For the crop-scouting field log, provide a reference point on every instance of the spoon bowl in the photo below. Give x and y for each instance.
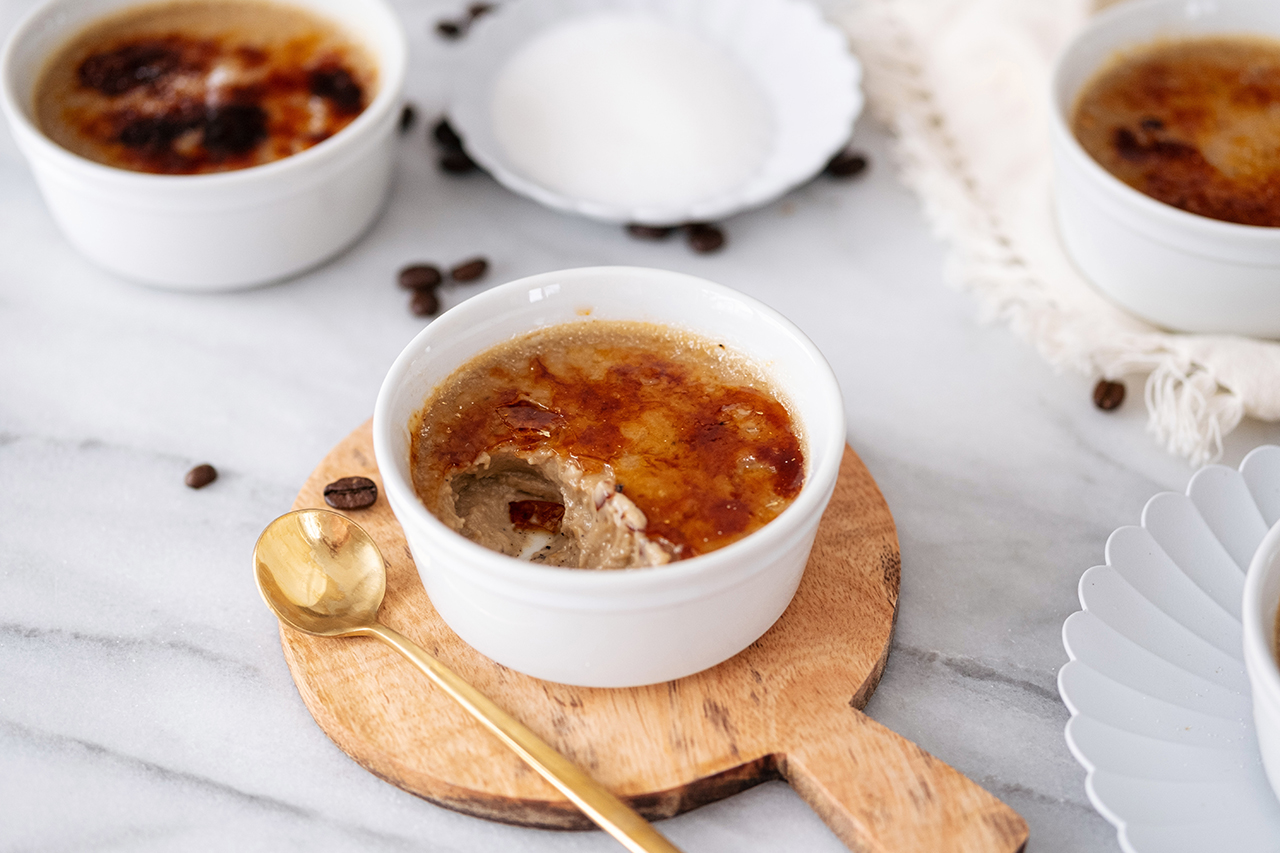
(320, 572)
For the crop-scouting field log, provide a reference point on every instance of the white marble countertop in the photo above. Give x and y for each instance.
(144, 702)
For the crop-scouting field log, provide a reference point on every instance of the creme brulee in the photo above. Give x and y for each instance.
(1193, 122)
(1277, 636)
(603, 444)
(205, 86)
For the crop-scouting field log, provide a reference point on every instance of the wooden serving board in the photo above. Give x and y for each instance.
(787, 707)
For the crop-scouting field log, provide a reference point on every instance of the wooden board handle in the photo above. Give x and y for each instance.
(880, 793)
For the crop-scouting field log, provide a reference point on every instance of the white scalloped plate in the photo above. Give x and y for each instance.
(1160, 709)
(800, 62)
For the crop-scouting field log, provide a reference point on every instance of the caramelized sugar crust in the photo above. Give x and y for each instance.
(692, 432)
(1194, 123)
(194, 87)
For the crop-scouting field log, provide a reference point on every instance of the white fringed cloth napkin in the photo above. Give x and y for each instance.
(964, 84)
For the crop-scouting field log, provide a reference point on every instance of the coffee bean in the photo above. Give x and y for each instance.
(457, 163)
(476, 10)
(201, 476)
(139, 64)
(420, 277)
(449, 29)
(1108, 395)
(469, 270)
(424, 303)
(846, 164)
(445, 136)
(651, 232)
(156, 133)
(408, 118)
(704, 237)
(535, 515)
(335, 84)
(234, 129)
(351, 493)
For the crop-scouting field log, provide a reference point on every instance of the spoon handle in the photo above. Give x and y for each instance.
(609, 813)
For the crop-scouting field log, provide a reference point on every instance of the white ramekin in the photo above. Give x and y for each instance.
(1173, 268)
(623, 627)
(1261, 600)
(224, 230)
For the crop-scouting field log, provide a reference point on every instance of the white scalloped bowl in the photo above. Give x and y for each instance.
(800, 64)
(1157, 687)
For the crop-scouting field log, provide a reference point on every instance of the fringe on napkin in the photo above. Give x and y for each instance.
(988, 195)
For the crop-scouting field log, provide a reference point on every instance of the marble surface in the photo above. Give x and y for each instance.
(144, 702)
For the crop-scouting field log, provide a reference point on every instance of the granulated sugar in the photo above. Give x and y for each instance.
(625, 110)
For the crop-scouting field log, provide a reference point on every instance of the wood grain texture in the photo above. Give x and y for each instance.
(788, 706)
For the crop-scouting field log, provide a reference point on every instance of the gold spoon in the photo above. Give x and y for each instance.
(321, 573)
